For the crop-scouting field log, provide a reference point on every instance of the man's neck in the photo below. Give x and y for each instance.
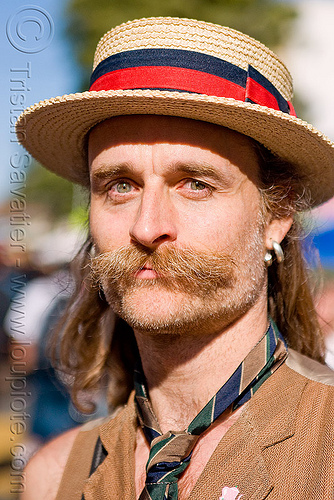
(184, 373)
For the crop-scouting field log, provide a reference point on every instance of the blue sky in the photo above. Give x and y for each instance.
(25, 29)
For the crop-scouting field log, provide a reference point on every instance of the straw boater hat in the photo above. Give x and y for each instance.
(185, 68)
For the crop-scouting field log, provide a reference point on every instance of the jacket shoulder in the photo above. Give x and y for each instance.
(310, 368)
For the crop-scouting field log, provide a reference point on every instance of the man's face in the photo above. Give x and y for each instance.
(178, 191)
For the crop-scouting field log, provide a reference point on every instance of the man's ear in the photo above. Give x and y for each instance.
(276, 231)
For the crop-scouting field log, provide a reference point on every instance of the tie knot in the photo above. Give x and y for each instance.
(171, 447)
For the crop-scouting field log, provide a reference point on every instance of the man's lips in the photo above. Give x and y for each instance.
(147, 272)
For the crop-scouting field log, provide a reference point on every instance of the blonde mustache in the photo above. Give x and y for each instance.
(176, 268)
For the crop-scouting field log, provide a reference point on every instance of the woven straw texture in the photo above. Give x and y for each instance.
(55, 131)
(199, 36)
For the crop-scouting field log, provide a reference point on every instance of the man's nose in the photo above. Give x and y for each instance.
(155, 222)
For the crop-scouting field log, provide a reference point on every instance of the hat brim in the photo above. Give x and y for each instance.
(54, 131)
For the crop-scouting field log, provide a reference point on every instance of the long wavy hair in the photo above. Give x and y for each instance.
(95, 347)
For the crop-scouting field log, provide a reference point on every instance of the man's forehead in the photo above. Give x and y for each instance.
(156, 129)
(133, 128)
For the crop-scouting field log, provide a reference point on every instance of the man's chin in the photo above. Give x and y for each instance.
(152, 309)
(162, 326)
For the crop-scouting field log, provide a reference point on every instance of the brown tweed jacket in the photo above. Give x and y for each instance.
(281, 447)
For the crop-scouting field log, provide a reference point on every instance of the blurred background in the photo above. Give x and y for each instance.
(47, 50)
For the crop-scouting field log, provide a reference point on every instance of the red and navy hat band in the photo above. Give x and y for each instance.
(186, 71)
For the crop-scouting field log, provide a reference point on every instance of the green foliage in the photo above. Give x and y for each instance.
(56, 195)
(266, 20)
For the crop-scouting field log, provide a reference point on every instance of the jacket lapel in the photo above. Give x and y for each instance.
(236, 462)
(114, 478)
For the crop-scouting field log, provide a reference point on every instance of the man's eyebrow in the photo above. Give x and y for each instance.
(202, 170)
(108, 171)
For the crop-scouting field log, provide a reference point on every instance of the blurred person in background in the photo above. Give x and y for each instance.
(49, 405)
(325, 309)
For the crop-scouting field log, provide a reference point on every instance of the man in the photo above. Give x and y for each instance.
(192, 295)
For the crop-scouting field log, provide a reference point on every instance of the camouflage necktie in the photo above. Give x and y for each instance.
(170, 453)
